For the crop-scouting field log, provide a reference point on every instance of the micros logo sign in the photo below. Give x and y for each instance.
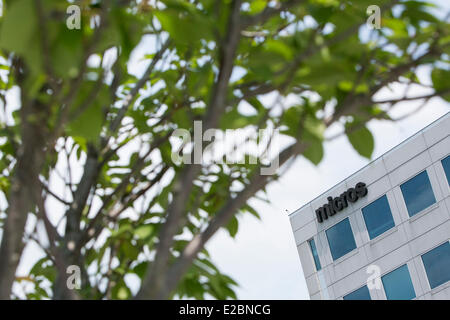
(339, 203)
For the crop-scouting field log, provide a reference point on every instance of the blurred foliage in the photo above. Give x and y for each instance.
(319, 54)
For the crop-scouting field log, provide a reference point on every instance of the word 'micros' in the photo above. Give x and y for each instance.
(339, 203)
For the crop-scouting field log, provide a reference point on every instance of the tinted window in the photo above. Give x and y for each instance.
(446, 165)
(340, 238)
(360, 294)
(437, 265)
(397, 284)
(378, 217)
(312, 245)
(418, 193)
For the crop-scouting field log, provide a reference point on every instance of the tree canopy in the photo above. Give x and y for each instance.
(86, 128)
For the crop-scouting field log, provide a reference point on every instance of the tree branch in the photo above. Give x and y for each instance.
(153, 284)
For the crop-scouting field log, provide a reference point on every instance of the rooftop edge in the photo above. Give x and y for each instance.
(370, 162)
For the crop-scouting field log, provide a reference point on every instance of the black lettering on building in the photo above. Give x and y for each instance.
(337, 204)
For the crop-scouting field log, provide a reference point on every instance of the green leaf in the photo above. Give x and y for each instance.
(19, 33)
(235, 120)
(88, 115)
(184, 26)
(280, 48)
(313, 128)
(140, 269)
(251, 210)
(43, 268)
(144, 231)
(256, 6)
(66, 52)
(18, 26)
(121, 291)
(361, 139)
(440, 79)
(314, 152)
(130, 251)
(233, 226)
(88, 125)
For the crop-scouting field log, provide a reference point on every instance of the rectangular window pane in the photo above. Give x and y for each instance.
(437, 265)
(398, 285)
(378, 217)
(312, 245)
(340, 238)
(360, 294)
(418, 193)
(446, 165)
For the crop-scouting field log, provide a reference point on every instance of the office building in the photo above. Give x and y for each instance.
(383, 233)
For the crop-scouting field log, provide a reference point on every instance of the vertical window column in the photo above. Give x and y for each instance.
(312, 246)
(446, 165)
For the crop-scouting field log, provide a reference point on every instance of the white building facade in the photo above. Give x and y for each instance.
(383, 233)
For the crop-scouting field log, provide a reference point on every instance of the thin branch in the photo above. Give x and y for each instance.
(152, 286)
(428, 96)
(269, 12)
(47, 189)
(141, 82)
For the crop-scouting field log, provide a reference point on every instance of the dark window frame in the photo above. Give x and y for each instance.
(410, 215)
(353, 237)
(351, 292)
(317, 263)
(446, 173)
(426, 272)
(364, 218)
(395, 269)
